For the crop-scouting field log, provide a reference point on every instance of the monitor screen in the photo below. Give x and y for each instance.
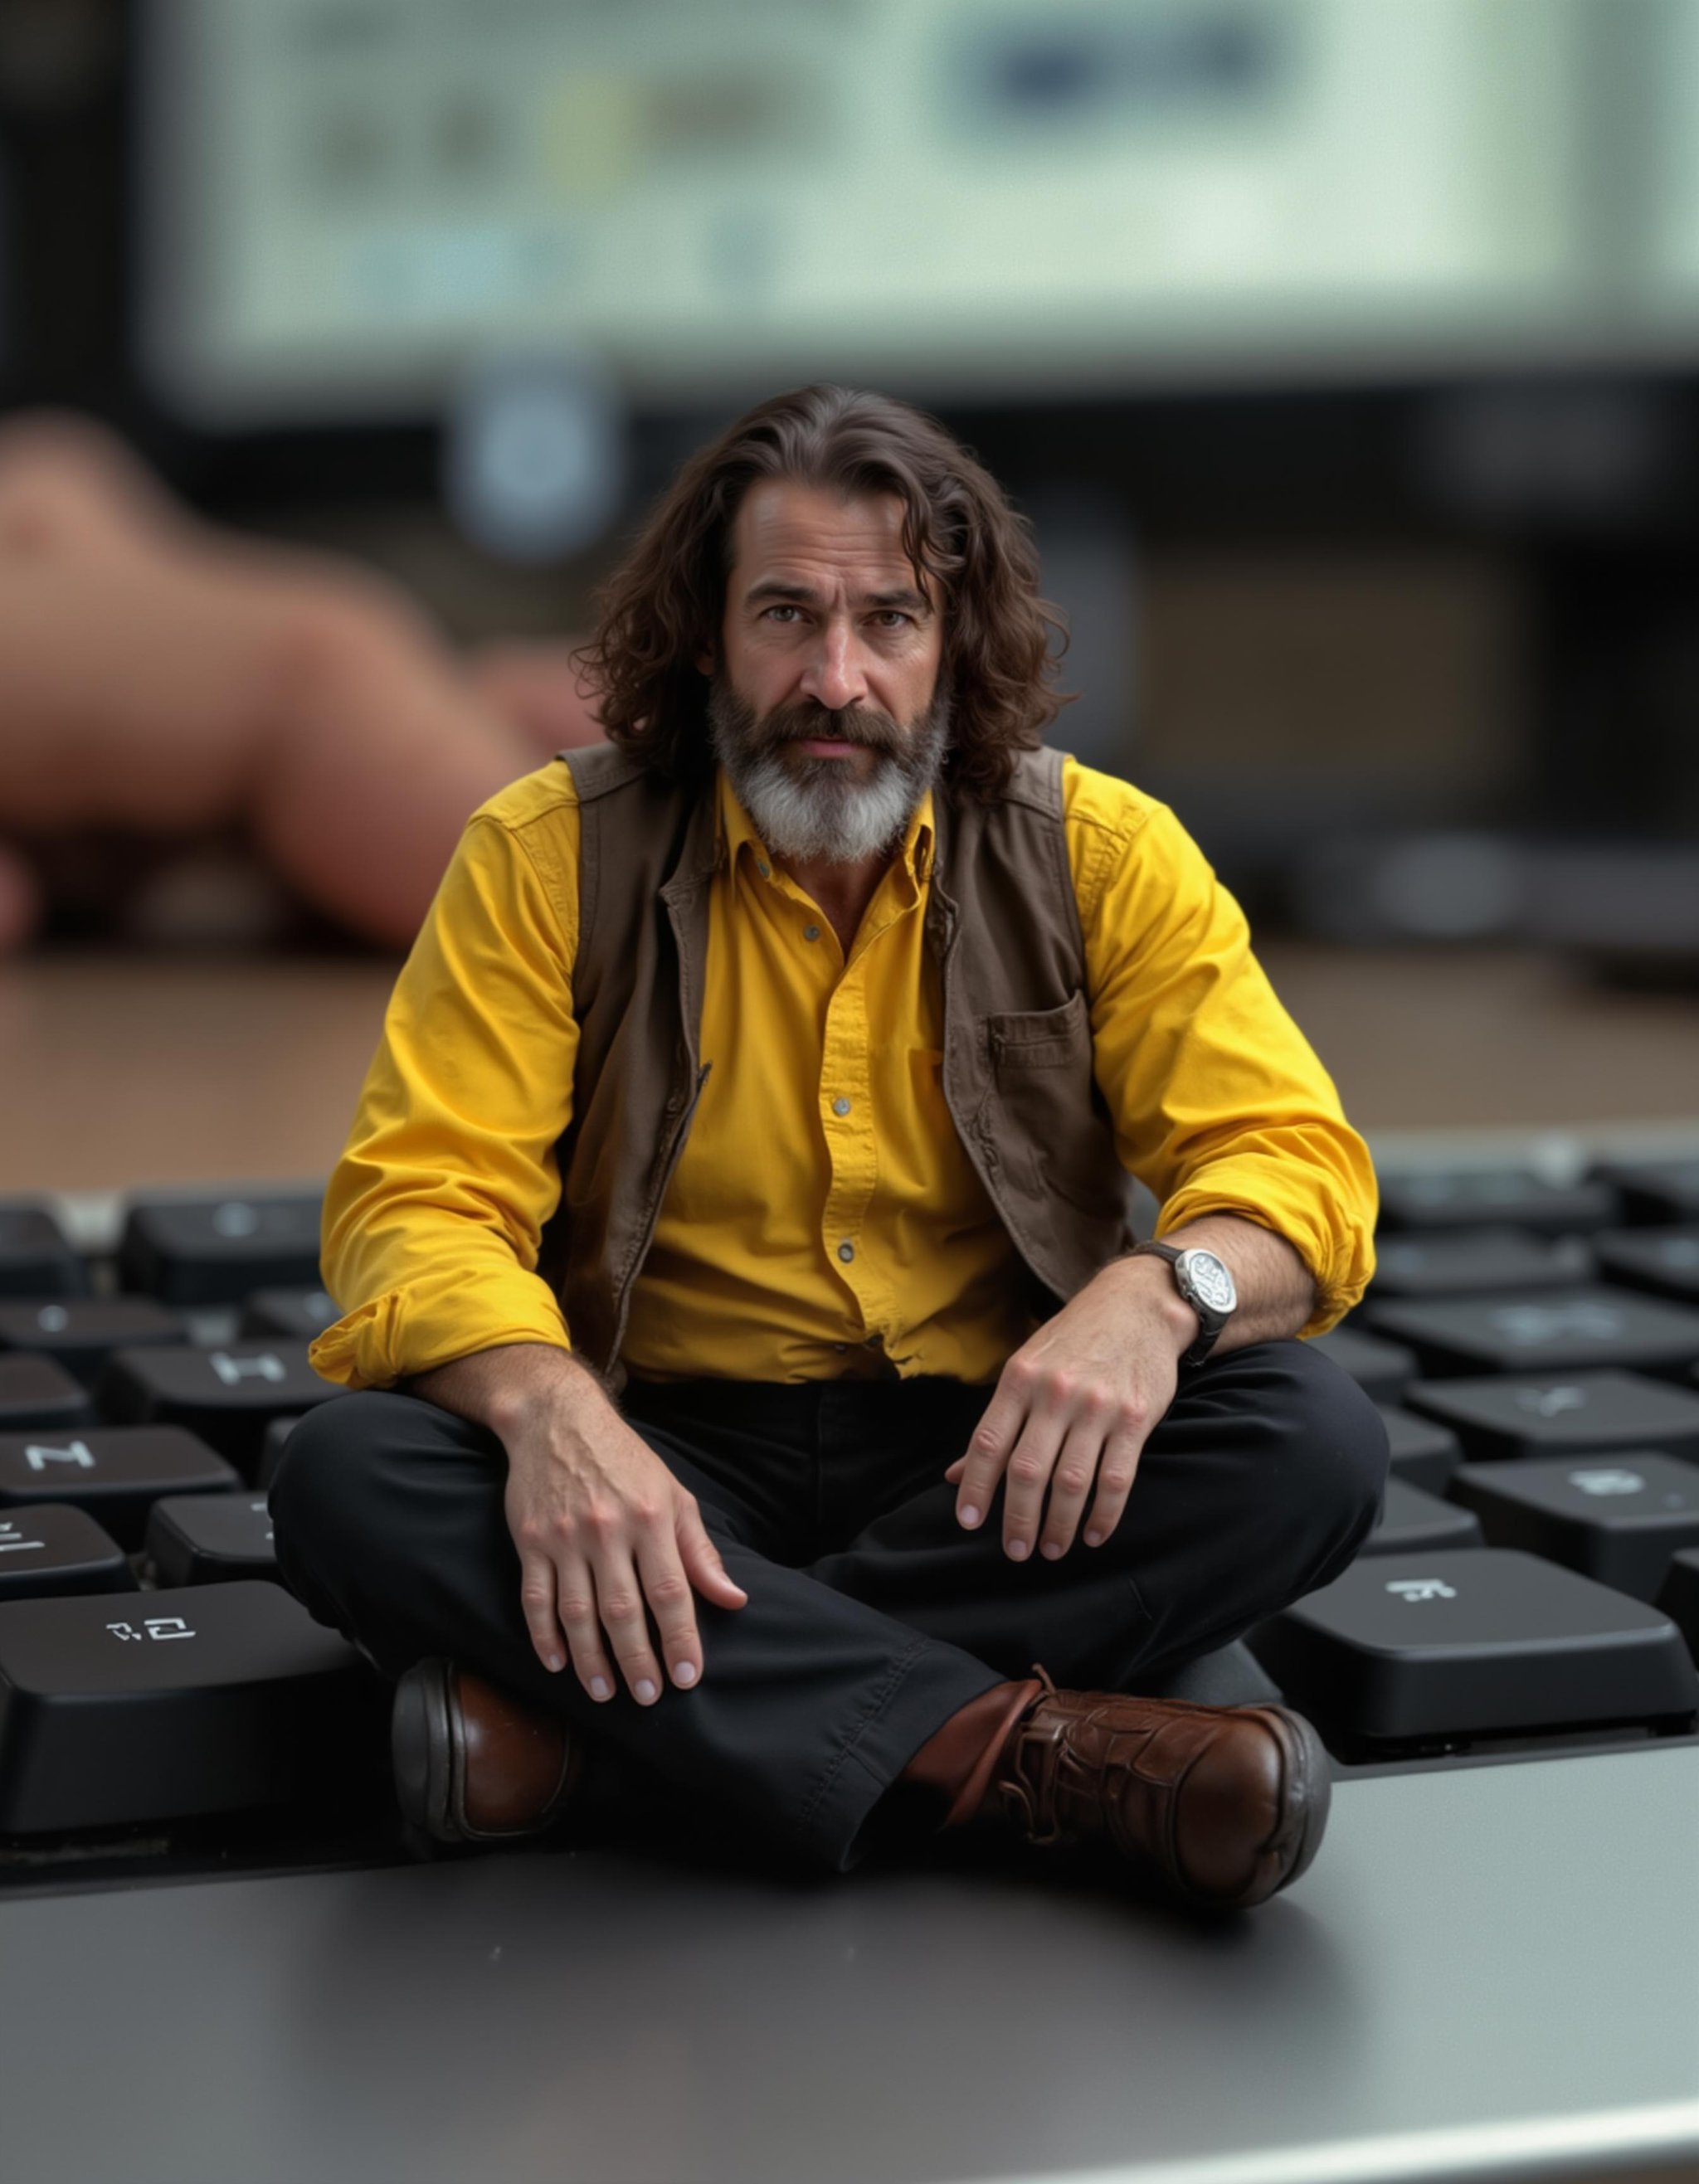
(349, 203)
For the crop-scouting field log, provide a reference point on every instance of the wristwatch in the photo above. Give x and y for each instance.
(1206, 1286)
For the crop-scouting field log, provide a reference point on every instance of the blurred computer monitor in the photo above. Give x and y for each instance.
(345, 202)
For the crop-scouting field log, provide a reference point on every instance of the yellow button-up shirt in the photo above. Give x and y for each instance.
(824, 1218)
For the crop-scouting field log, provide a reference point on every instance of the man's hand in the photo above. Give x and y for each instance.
(1074, 1405)
(1080, 1400)
(600, 1524)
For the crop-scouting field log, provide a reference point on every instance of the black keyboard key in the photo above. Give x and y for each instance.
(1665, 1261)
(207, 1539)
(116, 1472)
(271, 1447)
(1573, 1415)
(1655, 1190)
(1475, 1263)
(218, 1250)
(81, 1335)
(288, 1315)
(1486, 1642)
(1678, 1596)
(1415, 1522)
(1381, 1369)
(53, 1550)
(35, 1393)
(35, 1257)
(1482, 1198)
(206, 1699)
(1565, 1331)
(1424, 1453)
(227, 1394)
(1618, 1519)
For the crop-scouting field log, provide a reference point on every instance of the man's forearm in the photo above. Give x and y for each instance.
(501, 1388)
(1276, 1291)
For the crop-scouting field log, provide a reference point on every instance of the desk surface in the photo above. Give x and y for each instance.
(128, 1070)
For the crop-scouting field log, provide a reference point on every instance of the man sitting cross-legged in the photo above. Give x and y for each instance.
(760, 1384)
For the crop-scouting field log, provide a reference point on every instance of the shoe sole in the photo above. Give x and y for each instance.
(1309, 1782)
(427, 1762)
(422, 1750)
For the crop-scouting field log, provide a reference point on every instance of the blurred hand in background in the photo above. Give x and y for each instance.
(163, 683)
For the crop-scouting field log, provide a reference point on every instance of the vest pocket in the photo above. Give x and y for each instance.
(1047, 1117)
(1039, 1039)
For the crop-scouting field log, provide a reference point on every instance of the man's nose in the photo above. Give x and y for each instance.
(834, 676)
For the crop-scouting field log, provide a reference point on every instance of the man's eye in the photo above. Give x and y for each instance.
(893, 617)
(782, 608)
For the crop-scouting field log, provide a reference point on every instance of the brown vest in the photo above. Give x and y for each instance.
(1002, 926)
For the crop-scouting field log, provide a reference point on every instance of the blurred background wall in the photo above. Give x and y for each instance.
(1345, 354)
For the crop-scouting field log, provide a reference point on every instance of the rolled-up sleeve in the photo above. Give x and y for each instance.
(1219, 1102)
(434, 1214)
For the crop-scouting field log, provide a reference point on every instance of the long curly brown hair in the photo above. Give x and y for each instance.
(665, 602)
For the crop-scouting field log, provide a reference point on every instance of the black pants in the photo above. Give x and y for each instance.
(871, 1615)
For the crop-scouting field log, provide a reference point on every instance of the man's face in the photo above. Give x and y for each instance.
(825, 704)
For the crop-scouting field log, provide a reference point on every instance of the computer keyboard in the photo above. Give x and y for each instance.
(202, 1539)
(193, 1699)
(200, 1252)
(1425, 1452)
(226, 1392)
(1578, 1411)
(1618, 1519)
(1476, 1262)
(1664, 1261)
(1654, 1190)
(114, 1474)
(165, 1706)
(37, 1395)
(1568, 1330)
(1426, 1650)
(1443, 1200)
(1544, 1421)
(1381, 1369)
(81, 1334)
(1414, 1522)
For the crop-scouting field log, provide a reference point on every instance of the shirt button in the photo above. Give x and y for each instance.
(840, 1105)
(811, 933)
(846, 1253)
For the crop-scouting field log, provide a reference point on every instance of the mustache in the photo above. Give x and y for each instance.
(854, 724)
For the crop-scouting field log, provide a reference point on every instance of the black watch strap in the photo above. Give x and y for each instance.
(1209, 1324)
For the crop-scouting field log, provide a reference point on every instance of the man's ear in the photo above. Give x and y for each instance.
(705, 658)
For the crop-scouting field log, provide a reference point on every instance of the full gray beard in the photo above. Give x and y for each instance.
(807, 811)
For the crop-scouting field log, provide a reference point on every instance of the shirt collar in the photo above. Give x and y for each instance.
(737, 833)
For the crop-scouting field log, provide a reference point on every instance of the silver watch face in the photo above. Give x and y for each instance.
(1207, 1280)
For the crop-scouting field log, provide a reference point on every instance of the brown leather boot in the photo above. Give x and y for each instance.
(1225, 1805)
(473, 1763)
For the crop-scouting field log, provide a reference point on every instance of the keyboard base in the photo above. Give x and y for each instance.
(1488, 1970)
